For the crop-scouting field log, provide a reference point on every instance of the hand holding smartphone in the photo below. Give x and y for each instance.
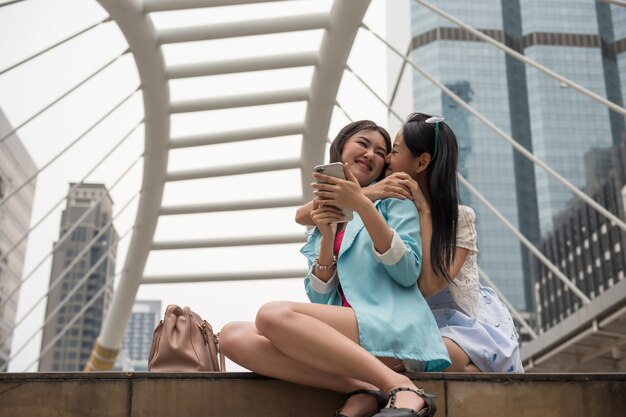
(334, 169)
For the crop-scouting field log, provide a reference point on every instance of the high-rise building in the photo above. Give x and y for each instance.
(583, 40)
(16, 167)
(82, 266)
(137, 340)
(588, 248)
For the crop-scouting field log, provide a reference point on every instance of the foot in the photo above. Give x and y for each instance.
(409, 402)
(407, 399)
(361, 403)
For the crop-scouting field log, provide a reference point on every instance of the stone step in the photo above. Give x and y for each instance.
(245, 394)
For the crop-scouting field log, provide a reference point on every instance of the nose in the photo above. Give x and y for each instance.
(369, 153)
(388, 158)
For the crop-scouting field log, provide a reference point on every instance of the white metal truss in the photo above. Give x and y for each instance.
(340, 24)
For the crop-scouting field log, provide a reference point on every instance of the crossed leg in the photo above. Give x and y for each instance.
(312, 344)
(243, 344)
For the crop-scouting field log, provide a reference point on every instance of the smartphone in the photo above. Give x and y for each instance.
(334, 170)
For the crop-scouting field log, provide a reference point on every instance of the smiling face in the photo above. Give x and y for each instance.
(365, 151)
(401, 159)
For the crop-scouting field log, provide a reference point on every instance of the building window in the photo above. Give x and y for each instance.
(79, 234)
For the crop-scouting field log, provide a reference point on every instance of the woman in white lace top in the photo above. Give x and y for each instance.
(476, 326)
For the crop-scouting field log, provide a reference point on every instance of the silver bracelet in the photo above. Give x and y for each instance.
(325, 267)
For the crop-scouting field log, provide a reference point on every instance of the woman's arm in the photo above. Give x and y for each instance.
(395, 237)
(303, 214)
(429, 283)
(394, 186)
(323, 217)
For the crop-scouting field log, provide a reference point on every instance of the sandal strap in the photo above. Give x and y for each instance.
(381, 397)
(427, 397)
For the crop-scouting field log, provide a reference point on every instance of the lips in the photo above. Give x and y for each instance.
(364, 164)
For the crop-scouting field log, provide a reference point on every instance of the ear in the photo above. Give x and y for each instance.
(423, 161)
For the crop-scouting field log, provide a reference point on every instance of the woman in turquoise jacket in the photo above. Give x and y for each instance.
(373, 270)
(393, 318)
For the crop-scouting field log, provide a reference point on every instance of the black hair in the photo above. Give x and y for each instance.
(336, 148)
(441, 176)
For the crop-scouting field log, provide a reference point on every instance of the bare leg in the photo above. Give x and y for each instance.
(460, 361)
(243, 344)
(326, 338)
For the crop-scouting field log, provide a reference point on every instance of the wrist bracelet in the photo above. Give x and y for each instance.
(325, 267)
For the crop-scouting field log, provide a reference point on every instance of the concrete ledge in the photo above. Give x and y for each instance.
(245, 394)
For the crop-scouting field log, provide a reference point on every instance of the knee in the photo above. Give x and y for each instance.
(272, 316)
(235, 337)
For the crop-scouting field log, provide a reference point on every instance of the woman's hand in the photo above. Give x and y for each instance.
(323, 217)
(345, 194)
(418, 197)
(394, 186)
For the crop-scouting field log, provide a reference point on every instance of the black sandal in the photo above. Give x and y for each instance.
(381, 400)
(393, 411)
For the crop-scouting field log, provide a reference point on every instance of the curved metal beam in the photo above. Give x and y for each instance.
(345, 19)
(142, 40)
(244, 28)
(225, 276)
(168, 5)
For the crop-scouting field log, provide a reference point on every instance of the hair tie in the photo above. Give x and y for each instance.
(436, 120)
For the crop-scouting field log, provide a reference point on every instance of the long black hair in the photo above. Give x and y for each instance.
(336, 148)
(441, 176)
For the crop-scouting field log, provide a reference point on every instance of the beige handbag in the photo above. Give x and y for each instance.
(183, 342)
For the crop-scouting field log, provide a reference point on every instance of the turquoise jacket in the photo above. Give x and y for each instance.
(393, 318)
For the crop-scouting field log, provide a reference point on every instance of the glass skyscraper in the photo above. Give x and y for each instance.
(82, 265)
(581, 39)
(137, 341)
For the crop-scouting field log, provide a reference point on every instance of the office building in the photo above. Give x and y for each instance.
(582, 40)
(16, 167)
(585, 246)
(83, 268)
(135, 349)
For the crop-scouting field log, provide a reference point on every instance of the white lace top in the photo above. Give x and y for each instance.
(466, 285)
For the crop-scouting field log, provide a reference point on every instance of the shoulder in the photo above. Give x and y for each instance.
(396, 204)
(466, 215)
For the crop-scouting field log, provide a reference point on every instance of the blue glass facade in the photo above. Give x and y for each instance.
(558, 124)
(565, 125)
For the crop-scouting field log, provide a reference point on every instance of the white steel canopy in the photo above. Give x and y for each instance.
(340, 25)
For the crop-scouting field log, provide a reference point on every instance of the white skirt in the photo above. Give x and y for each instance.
(490, 340)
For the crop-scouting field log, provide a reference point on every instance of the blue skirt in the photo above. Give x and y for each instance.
(490, 340)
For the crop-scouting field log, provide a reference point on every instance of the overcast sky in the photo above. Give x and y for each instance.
(33, 25)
